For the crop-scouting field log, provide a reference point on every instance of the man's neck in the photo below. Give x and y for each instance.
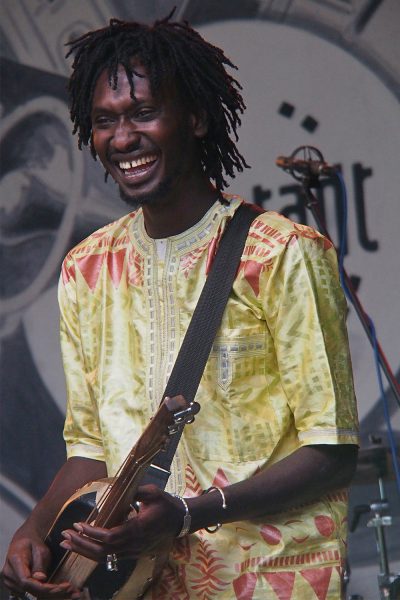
(179, 213)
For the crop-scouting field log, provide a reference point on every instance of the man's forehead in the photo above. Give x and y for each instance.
(119, 81)
(136, 70)
(114, 83)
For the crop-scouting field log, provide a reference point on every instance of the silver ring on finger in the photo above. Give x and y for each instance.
(111, 562)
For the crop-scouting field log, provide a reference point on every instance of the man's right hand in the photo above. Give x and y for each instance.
(28, 557)
(26, 565)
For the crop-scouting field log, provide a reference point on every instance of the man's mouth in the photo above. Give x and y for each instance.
(139, 166)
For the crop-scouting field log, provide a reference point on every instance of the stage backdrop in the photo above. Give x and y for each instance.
(323, 73)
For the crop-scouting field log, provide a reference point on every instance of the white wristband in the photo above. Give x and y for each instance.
(187, 519)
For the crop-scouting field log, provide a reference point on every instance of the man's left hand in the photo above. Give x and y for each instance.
(158, 521)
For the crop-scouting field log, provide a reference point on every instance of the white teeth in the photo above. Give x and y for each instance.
(137, 163)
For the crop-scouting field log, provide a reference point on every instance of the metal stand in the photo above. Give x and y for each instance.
(388, 583)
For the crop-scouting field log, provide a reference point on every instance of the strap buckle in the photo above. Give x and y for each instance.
(183, 417)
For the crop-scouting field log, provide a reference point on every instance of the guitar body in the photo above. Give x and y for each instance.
(132, 579)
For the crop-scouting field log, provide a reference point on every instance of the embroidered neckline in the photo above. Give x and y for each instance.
(191, 238)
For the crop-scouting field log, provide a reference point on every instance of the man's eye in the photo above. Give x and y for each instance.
(102, 121)
(145, 113)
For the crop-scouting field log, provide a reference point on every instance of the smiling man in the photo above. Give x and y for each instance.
(276, 436)
(149, 146)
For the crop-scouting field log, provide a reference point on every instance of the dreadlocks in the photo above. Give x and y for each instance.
(170, 52)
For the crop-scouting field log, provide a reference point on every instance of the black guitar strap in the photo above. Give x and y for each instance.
(196, 346)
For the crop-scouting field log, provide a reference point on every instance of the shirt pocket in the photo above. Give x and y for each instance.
(236, 355)
(245, 424)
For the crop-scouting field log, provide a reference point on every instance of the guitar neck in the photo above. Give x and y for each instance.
(116, 503)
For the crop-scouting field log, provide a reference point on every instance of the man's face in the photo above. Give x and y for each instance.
(148, 145)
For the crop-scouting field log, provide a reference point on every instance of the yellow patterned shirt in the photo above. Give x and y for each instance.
(278, 377)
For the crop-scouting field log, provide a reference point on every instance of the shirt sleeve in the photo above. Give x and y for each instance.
(306, 314)
(81, 430)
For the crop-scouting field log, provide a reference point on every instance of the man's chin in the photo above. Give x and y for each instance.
(147, 199)
(129, 199)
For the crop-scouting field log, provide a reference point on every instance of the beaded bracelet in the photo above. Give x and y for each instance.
(214, 528)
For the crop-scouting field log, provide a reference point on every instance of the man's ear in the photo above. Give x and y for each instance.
(199, 123)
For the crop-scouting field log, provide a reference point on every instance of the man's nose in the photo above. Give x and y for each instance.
(126, 137)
